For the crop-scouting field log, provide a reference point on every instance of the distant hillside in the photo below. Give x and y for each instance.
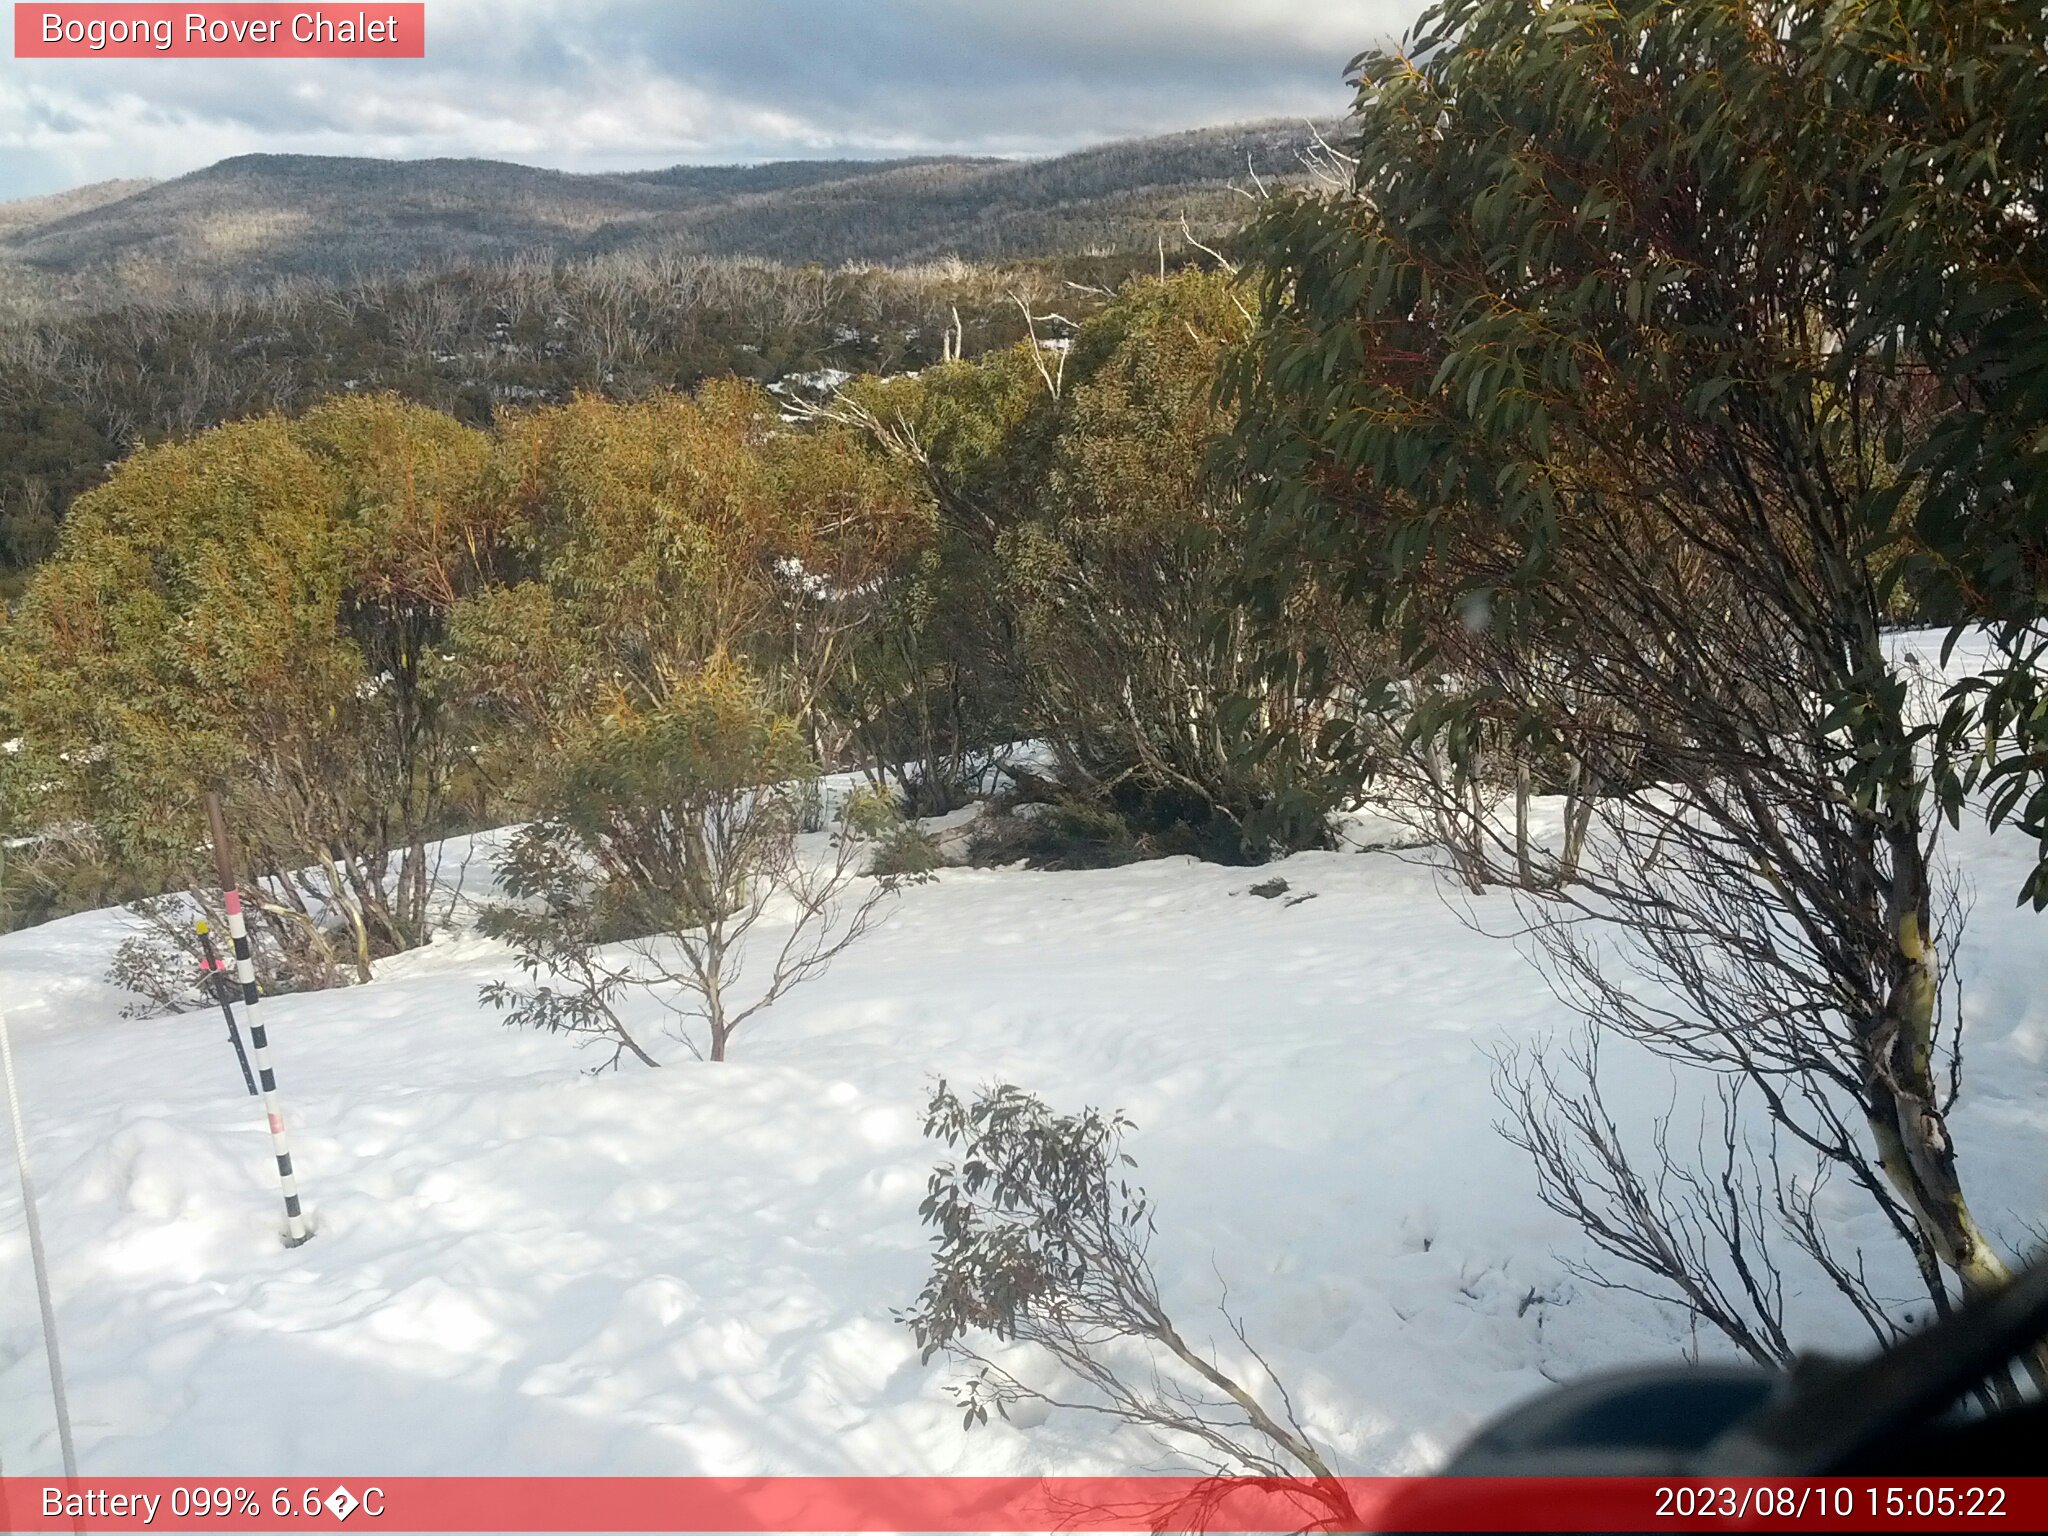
(256, 218)
(29, 213)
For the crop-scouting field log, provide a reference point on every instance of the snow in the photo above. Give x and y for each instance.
(523, 1268)
(822, 381)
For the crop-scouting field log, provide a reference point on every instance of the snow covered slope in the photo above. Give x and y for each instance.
(522, 1268)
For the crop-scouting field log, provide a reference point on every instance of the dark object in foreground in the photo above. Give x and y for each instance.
(219, 984)
(1905, 1412)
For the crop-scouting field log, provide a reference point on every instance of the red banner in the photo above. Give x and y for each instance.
(998, 1504)
(115, 31)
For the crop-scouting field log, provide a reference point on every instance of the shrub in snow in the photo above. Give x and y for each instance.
(1089, 567)
(907, 852)
(903, 851)
(1064, 833)
(682, 826)
(554, 931)
(1040, 1239)
(268, 603)
(161, 976)
(162, 961)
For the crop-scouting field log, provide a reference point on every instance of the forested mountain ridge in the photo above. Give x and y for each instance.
(25, 215)
(259, 218)
(132, 312)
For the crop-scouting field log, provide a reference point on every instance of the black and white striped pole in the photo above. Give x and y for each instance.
(295, 1231)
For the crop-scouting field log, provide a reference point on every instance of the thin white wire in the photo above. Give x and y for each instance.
(36, 1255)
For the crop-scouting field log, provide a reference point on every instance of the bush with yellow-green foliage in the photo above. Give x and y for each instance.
(673, 835)
(929, 688)
(1094, 546)
(371, 625)
(366, 625)
(659, 538)
(263, 610)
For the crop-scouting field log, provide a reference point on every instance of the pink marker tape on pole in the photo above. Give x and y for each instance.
(295, 1229)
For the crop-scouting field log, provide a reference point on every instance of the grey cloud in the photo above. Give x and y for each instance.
(589, 84)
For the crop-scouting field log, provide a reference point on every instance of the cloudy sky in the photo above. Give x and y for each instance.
(615, 84)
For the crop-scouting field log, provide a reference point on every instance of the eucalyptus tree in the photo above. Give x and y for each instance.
(1582, 381)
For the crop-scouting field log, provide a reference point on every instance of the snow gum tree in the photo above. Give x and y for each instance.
(1938, 130)
(1122, 581)
(1108, 548)
(657, 537)
(1578, 376)
(262, 610)
(695, 574)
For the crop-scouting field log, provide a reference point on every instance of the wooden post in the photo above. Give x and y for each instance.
(217, 976)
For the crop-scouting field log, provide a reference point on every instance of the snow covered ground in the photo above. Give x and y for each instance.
(521, 1268)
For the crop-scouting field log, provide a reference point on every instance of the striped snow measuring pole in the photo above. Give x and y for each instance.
(295, 1231)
